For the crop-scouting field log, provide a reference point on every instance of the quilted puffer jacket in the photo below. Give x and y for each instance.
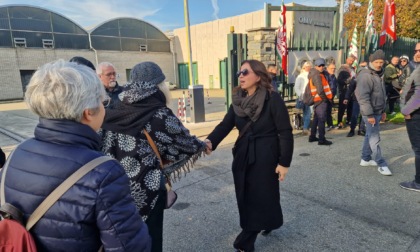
(97, 210)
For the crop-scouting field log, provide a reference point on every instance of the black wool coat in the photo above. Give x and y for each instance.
(267, 143)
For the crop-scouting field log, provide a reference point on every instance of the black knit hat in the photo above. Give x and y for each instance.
(378, 54)
(147, 72)
(145, 78)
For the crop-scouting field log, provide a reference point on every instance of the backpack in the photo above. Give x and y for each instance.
(307, 97)
(15, 235)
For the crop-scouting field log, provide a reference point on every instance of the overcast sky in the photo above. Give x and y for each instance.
(164, 14)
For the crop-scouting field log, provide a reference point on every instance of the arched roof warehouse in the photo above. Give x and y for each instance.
(33, 27)
(129, 34)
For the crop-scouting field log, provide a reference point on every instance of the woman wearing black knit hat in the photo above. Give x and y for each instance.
(143, 108)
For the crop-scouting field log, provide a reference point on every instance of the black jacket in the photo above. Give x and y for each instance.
(268, 142)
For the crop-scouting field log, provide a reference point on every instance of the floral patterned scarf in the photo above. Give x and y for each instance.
(129, 145)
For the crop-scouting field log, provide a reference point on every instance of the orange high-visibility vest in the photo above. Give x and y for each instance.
(326, 87)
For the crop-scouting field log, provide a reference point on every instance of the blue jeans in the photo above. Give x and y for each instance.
(413, 130)
(371, 148)
(306, 116)
(320, 116)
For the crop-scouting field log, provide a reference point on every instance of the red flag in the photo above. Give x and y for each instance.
(281, 41)
(388, 22)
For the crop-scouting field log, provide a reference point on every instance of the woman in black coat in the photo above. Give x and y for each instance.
(262, 153)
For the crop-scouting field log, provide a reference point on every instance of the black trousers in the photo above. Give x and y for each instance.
(344, 107)
(155, 222)
(246, 240)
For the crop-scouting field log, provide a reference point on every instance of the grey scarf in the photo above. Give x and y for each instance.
(250, 106)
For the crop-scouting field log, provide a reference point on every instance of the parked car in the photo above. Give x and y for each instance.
(171, 85)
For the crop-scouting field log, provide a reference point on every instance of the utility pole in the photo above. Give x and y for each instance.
(187, 29)
(195, 92)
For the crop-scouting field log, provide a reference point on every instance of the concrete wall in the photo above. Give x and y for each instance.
(15, 59)
(209, 41)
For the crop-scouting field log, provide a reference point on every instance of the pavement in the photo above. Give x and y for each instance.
(329, 202)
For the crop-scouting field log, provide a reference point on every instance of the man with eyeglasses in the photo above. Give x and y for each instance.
(322, 96)
(108, 76)
(410, 108)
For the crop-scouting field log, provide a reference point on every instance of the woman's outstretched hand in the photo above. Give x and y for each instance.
(281, 171)
(209, 147)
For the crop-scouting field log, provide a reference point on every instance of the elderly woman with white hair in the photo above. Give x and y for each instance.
(300, 85)
(143, 110)
(96, 211)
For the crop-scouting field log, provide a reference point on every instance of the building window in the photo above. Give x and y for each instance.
(143, 48)
(48, 43)
(20, 42)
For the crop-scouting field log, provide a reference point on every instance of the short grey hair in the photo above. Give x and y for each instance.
(102, 65)
(63, 90)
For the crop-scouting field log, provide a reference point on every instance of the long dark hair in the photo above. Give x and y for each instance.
(260, 70)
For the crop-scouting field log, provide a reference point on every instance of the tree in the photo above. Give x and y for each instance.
(406, 12)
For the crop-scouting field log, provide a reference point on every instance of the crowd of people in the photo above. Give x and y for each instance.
(366, 94)
(84, 114)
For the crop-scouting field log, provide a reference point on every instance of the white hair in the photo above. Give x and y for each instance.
(63, 90)
(103, 65)
(307, 63)
(165, 90)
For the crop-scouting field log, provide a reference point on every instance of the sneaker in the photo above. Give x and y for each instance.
(325, 142)
(410, 185)
(313, 139)
(340, 125)
(350, 134)
(393, 113)
(368, 163)
(384, 170)
(330, 128)
(361, 133)
(305, 132)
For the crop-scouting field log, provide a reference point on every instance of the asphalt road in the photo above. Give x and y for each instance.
(329, 202)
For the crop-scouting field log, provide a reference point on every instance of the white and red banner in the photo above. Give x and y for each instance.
(281, 40)
(388, 23)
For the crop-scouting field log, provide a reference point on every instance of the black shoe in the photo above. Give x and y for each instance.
(265, 232)
(325, 142)
(313, 139)
(361, 133)
(350, 134)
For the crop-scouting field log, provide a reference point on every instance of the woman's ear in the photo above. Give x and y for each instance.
(87, 116)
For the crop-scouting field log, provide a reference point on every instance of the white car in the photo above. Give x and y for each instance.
(171, 85)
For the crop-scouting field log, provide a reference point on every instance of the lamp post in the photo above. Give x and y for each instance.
(340, 28)
(187, 29)
(196, 92)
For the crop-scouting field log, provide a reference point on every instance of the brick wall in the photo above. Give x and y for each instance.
(13, 60)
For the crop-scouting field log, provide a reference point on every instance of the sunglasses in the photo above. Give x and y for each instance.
(244, 72)
(416, 51)
(321, 66)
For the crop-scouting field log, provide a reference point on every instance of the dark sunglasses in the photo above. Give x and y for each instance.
(416, 51)
(244, 72)
(321, 66)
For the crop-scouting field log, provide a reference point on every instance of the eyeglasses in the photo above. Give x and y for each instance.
(107, 101)
(321, 66)
(416, 51)
(110, 74)
(244, 72)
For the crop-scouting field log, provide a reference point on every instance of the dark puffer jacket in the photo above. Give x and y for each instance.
(97, 210)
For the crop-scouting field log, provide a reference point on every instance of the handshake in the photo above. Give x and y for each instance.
(209, 147)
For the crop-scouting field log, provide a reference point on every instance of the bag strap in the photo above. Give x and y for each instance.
(3, 180)
(62, 188)
(244, 129)
(153, 145)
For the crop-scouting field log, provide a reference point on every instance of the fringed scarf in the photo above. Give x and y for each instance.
(249, 106)
(123, 139)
